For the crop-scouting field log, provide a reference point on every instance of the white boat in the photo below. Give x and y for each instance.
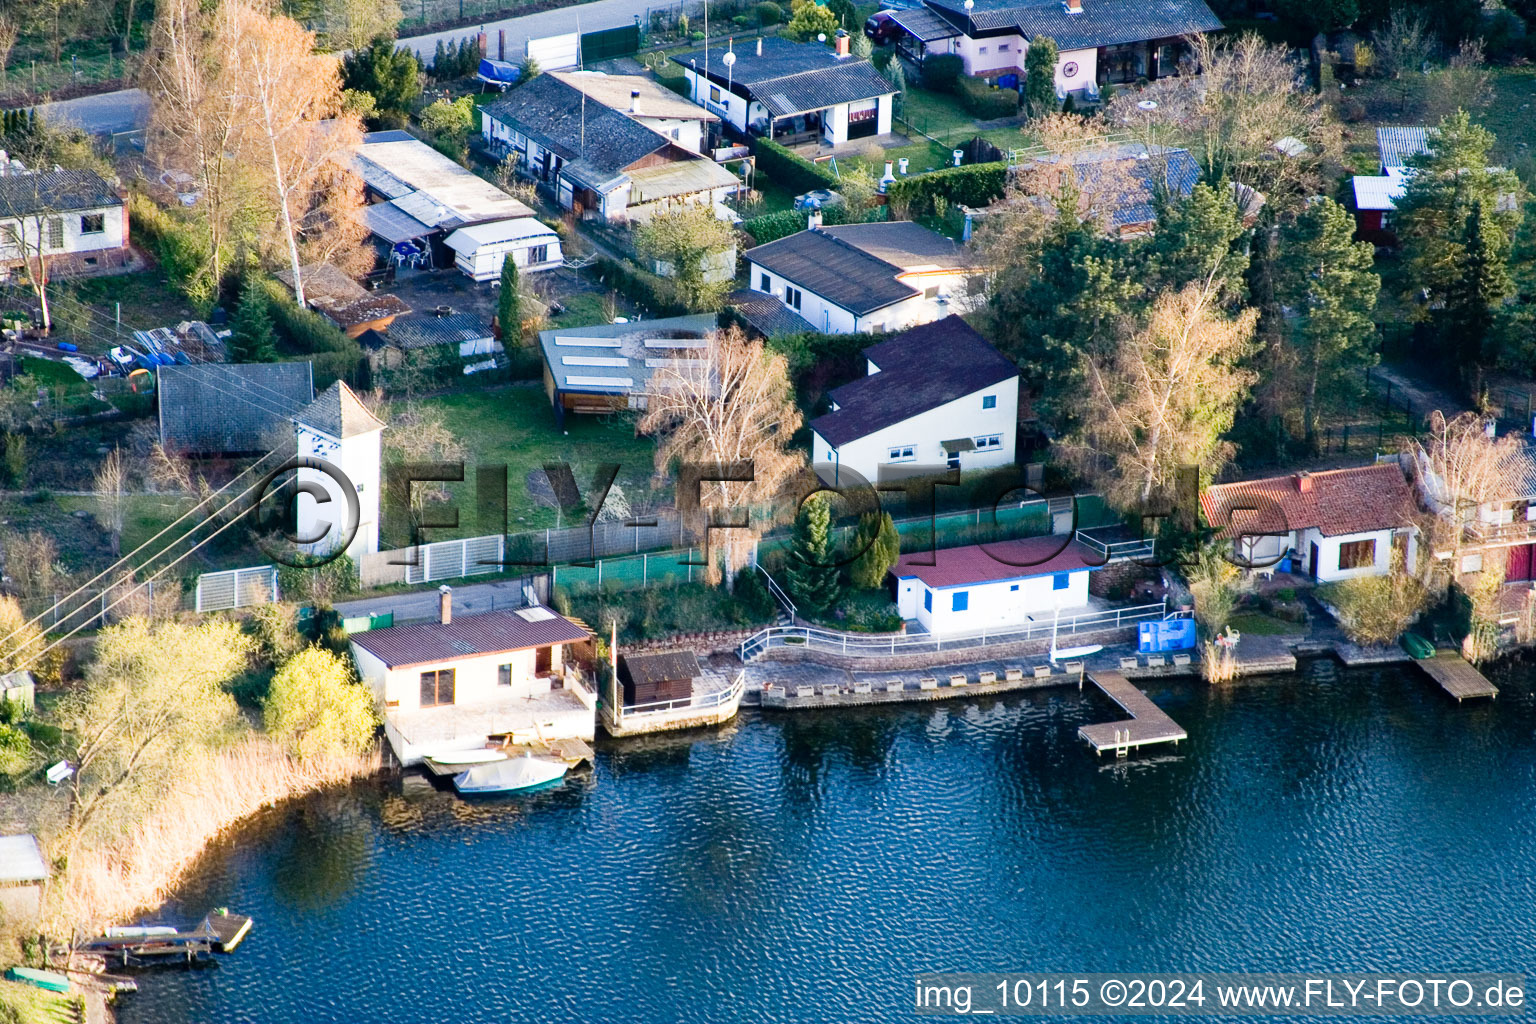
(1057, 653)
(483, 755)
(526, 772)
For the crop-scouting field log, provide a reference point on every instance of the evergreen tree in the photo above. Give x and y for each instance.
(811, 576)
(391, 75)
(251, 339)
(898, 79)
(1327, 281)
(1195, 237)
(1040, 76)
(1474, 296)
(879, 546)
(509, 304)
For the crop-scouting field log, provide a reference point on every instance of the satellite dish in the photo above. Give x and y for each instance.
(821, 37)
(969, 6)
(729, 58)
(1148, 104)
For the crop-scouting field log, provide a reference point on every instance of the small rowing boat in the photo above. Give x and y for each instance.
(1418, 647)
(465, 758)
(509, 776)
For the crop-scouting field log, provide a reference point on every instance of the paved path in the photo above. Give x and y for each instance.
(103, 114)
(418, 605)
(587, 17)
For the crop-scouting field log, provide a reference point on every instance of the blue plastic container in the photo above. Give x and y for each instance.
(1167, 635)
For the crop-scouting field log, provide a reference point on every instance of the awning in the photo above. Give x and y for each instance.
(959, 444)
(924, 24)
(679, 178)
(393, 224)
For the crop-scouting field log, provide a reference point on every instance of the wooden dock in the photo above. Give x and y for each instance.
(1456, 676)
(1147, 725)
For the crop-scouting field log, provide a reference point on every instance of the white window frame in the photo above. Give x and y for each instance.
(988, 442)
(794, 298)
(903, 453)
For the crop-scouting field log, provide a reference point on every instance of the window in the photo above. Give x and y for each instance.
(437, 688)
(1061, 581)
(954, 460)
(981, 49)
(1002, 47)
(1014, 587)
(906, 453)
(764, 283)
(538, 254)
(93, 223)
(1357, 554)
(792, 298)
(504, 675)
(961, 601)
(928, 600)
(989, 442)
(677, 133)
(55, 232)
(989, 401)
(714, 94)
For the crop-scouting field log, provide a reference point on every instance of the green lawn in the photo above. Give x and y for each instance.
(1260, 624)
(516, 426)
(50, 374)
(35, 1006)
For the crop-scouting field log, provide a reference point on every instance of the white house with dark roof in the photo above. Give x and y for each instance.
(75, 218)
(1099, 41)
(450, 684)
(791, 92)
(1011, 584)
(648, 101)
(598, 159)
(935, 397)
(862, 278)
(339, 430)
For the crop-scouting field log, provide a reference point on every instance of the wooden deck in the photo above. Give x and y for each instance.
(1456, 677)
(1148, 723)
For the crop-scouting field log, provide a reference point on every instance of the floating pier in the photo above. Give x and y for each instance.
(1456, 676)
(143, 945)
(1148, 723)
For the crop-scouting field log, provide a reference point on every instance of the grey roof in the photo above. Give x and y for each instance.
(659, 666)
(924, 24)
(789, 77)
(623, 355)
(393, 224)
(1397, 144)
(1100, 23)
(849, 268)
(597, 141)
(1174, 169)
(55, 192)
(422, 330)
(211, 408)
(21, 860)
(766, 314)
(340, 413)
(920, 369)
(420, 643)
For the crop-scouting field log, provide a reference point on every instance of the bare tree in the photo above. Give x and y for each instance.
(733, 407)
(1465, 83)
(111, 503)
(1403, 46)
(1463, 471)
(1077, 171)
(1167, 396)
(9, 31)
(31, 562)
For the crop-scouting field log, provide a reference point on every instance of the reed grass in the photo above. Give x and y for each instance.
(109, 880)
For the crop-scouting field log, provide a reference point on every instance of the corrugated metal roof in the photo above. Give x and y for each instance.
(1398, 143)
(21, 860)
(679, 178)
(420, 643)
(393, 224)
(421, 330)
(1373, 192)
(55, 192)
(1100, 23)
(924, 24)
(213, 408)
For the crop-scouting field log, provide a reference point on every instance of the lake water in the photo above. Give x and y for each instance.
(804, 866)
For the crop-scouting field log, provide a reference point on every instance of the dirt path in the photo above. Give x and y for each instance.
(1422, 397)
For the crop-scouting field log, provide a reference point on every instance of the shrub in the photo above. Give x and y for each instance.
(177, 246)
(320, 583)
(15, 750)
(984, 102)
(304, 332)
(790, 169)
(1377, 609)
(969, 185)
(638, 286)
(276, 633)
(941, 72)
(769, 13)
(315, 707)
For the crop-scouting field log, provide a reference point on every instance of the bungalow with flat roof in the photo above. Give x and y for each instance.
(865, 278)
(452, 684)
(935, 397)
(464, 335)
(790, 92)
(605, 368)
(997, 586)
(1332, 525)
(1098, 41)
(597, 159)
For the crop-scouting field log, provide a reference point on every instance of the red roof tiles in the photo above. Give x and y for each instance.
(1335, 502)
(1003, 560)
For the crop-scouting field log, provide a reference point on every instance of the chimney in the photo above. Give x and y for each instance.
(445, 604)
(1303, 483)
(843, 41)
(1073, 6)
(634, 101)
(813, 220)
(759, 46)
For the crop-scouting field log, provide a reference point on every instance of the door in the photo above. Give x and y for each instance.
(1522, 563)
(542, 661)
(1312, 559)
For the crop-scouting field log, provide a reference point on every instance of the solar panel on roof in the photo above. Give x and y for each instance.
(677, 364)
(574, 342)
(535, 614)
(600, 382)
(594, 361)
(677, 343)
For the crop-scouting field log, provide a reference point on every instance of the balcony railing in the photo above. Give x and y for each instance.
(1518, 531)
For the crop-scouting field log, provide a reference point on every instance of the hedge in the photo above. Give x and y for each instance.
(984, 102)
(942, 71)
(303, 332)
(177, 246)
(790, 169)
(772, 226)
(969, 185)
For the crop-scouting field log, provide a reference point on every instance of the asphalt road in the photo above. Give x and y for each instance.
(588, 17)
(416, 605)
(103, 114)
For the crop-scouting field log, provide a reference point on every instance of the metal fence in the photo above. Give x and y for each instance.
(610, 42)
(236, 588)
(455, 559)
(663, 568)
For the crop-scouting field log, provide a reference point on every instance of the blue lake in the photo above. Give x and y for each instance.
(805, 866)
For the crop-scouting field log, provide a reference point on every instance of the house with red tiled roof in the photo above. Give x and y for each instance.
(1331, 525)
(994, 586)
(450, 684)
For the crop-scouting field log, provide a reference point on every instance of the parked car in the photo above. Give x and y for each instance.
(881, 28)
(818, 199)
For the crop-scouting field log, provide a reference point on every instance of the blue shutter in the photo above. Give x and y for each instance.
(1061, 581)
(928, 600)
(962, 600)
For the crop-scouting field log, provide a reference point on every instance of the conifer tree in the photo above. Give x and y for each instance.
(509, 304)
(811, 575)
(252, 340)
(879, 546)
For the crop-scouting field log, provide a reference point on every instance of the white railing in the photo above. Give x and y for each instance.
(777, 591)
(1116, 550)
(865, 645)
(730, 695)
